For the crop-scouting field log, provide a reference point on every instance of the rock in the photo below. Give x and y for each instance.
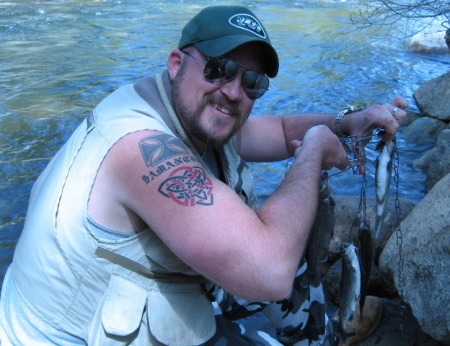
(425, 160)
(433, 42)
(411, 116)
(346, 209)
(433, 97)
(447, 38)
(425, 252)
(440, 162)
(397, 327)
(424, 131)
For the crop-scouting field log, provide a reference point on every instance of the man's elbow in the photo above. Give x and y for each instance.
(282, 289)
(274, 288)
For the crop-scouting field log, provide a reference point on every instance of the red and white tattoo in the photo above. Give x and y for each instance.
(188, 186)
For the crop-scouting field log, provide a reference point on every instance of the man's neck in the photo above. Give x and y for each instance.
(199, 145)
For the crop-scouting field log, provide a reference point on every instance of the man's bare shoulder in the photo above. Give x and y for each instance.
(158, 163)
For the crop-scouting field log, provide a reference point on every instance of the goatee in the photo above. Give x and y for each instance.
(191, 119)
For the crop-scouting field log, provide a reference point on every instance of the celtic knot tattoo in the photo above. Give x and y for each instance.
(188, 186)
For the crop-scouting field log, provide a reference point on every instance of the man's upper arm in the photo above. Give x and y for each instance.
(198, 217)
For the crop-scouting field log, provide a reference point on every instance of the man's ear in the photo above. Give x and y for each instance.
(174, 63)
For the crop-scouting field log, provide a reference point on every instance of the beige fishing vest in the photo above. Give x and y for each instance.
(112, 292)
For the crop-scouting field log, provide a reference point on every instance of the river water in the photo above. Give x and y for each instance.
(59, 58)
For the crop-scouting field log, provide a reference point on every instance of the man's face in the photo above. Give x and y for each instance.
(211, 114)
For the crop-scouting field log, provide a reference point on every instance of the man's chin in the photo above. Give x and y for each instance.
(218, 141)
(222, 137)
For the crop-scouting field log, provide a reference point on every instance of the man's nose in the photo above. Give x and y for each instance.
(233, 89)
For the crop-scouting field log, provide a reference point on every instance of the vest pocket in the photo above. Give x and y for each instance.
(180, 317)
(124, 306)
(120, 315)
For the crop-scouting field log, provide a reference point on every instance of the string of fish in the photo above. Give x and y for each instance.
(357, 262)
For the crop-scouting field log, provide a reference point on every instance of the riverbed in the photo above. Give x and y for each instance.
(60, 58)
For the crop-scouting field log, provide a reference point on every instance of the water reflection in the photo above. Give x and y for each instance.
(60, 58)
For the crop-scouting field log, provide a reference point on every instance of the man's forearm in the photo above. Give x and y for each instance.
(295, 126)
(290, 211)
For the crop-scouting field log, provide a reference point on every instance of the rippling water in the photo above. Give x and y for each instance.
(60, 58)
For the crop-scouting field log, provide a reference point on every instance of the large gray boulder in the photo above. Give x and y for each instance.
(440, 160)
(346, 209)
(431, 42)
(447, 38)
(426, 254)
(433, 98)
(411, 116)
(424, 162)
(424, 131)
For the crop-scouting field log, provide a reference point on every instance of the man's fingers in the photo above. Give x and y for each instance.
(296, 143)
(398, 113)
(400, 102)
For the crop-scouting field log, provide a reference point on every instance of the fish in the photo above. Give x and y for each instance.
(367, 255)
(350, 286)
(383, 181)
(321, 233)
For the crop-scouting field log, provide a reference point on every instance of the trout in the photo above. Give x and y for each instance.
(383, 181)
(321, 233)
(367, 252)
(350, 286)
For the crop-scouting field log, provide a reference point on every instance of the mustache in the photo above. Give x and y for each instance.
(222, 101)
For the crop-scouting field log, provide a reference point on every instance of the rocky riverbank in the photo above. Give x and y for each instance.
(411, 273)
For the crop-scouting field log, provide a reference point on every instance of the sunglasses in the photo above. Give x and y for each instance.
(220, 70)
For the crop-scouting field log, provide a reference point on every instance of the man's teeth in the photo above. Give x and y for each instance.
(222, 109)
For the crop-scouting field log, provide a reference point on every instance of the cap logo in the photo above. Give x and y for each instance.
(247, 22)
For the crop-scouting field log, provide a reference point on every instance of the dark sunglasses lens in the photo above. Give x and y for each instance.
(220, 70)
(255, 84)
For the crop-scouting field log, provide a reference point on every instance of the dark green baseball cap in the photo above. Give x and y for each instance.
(217, 30)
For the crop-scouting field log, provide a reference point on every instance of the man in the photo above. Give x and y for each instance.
(147, 214)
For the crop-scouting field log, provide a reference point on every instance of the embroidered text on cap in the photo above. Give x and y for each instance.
(247, 22)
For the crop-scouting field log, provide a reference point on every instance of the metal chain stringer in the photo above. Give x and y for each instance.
(353, 144)
(401, 277)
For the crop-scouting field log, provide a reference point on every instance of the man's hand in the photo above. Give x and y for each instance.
(387, 117)
(323, 141)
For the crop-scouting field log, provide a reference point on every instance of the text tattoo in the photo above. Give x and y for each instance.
(162, 153)
(186, 185)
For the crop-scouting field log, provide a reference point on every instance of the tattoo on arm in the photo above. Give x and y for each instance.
(157, 149)
(186, 185)
(162, 153)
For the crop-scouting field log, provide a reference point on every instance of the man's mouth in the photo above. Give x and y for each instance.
(223, 109)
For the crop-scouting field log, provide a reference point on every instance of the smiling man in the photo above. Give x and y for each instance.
(144, 228)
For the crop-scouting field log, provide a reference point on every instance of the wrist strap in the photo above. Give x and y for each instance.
(340, 116)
